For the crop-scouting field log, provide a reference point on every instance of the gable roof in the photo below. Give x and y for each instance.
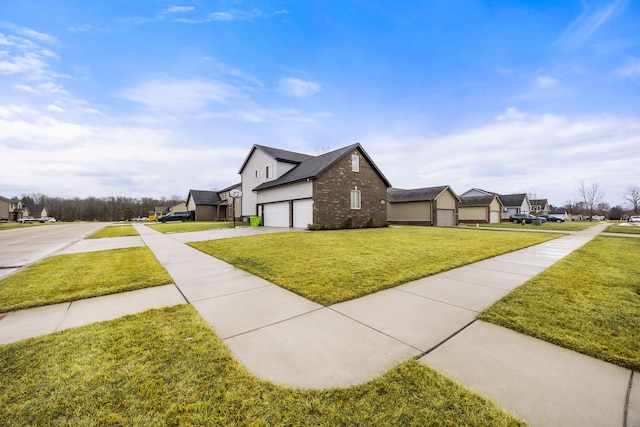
(478, 200)
(541, 202)
(488, 193)
(397, 195)
(313, 167)
(204, 197)
(35, 209)
(278, 154)
(512, 199)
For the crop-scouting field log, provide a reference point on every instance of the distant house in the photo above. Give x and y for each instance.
(511, 203)
(480, 209)
(35, 211)
(180, 207)
(208, 205)
(540, 206)
(10, 209)
(437, 206)
(290, 189)
(560, 213)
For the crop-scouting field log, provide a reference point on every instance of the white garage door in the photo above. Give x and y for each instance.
(276, 214)
(495, 217)
(445, 217)
(302, 213)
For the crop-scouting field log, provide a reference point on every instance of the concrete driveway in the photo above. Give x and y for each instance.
(20, 247)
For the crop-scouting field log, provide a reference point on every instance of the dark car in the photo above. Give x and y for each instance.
(175, 216)
(527, 218)
(551, 218)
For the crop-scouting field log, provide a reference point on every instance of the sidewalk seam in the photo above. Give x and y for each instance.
(627, 401)
(446, 339)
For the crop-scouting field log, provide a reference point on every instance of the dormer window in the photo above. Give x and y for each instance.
(355, 163)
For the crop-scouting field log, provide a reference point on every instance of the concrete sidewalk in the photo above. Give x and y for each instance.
(284, 338)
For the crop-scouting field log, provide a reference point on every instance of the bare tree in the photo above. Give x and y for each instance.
(632, 196)
(591, 196)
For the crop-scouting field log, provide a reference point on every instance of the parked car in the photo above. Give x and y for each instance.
(26, 219)
(598, 218)
(527, 218)
(550, 218)
(175, 216)
(634, 218)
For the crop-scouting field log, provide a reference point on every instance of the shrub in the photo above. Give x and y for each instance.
(370, 223)
(314, 227)
(350, 223)
(326, 226)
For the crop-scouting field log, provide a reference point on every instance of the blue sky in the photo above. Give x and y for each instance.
(153, 98)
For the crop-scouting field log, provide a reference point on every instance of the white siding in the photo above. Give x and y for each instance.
(302, 213)
(298, 190)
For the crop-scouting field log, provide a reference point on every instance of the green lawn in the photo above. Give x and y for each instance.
(588, 302)
(72, 277)
(166, 367)
(333, 266)
(11, 225)
(624, 227)
(186, 227)
(114, 231)
(555, 226)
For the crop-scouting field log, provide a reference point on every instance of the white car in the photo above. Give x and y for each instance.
(634, 218)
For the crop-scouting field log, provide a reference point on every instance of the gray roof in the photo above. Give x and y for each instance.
(512, 199)
(541, 202)
(397, 195)
(204, 197)
(35, 208)
(313, 167)
(278, 154)
(231, 187)
(477, 200)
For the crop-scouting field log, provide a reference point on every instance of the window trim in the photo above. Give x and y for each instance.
(355, 163)
(356, 199)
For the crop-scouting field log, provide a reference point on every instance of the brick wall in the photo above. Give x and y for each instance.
(332, 195)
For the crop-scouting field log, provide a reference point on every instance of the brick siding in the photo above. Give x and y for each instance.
(332, 195)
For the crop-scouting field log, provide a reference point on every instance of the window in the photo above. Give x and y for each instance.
(268, 172)
(355, 163)
(257, 173)
(355, 199)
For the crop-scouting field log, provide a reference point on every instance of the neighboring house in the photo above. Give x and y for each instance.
(436, 206)
(214, 205)
(160, 210)
(514, 204)
(180, 207)
(480, 209)
(36, 211)
(294, 190)
(10, 209)
(511, 203)
(539, 206)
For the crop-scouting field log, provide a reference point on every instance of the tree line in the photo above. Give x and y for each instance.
(113, 208)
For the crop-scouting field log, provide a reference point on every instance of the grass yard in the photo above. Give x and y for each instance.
(555, 226)
(11, 225)
(588, 302)
(334, 266)
(186, 227)
(72, 277)
(166, 367)
(624, 227)
(114, 231)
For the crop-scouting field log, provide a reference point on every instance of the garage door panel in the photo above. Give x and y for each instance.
(446, 217)
(302, 213)
(276, 214)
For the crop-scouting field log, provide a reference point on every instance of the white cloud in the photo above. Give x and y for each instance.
(41, 37)
(179, 9)
(294, 87)
(80, 28)
(546, 81)
(180, 95)
(24, 88)
(55, 108)
(546, 154)
(593, 16)
(512, 113)
(221, 16)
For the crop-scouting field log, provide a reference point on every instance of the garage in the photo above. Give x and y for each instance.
(302, 213)
(445, 217)
(276, 214)
(495, 217)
